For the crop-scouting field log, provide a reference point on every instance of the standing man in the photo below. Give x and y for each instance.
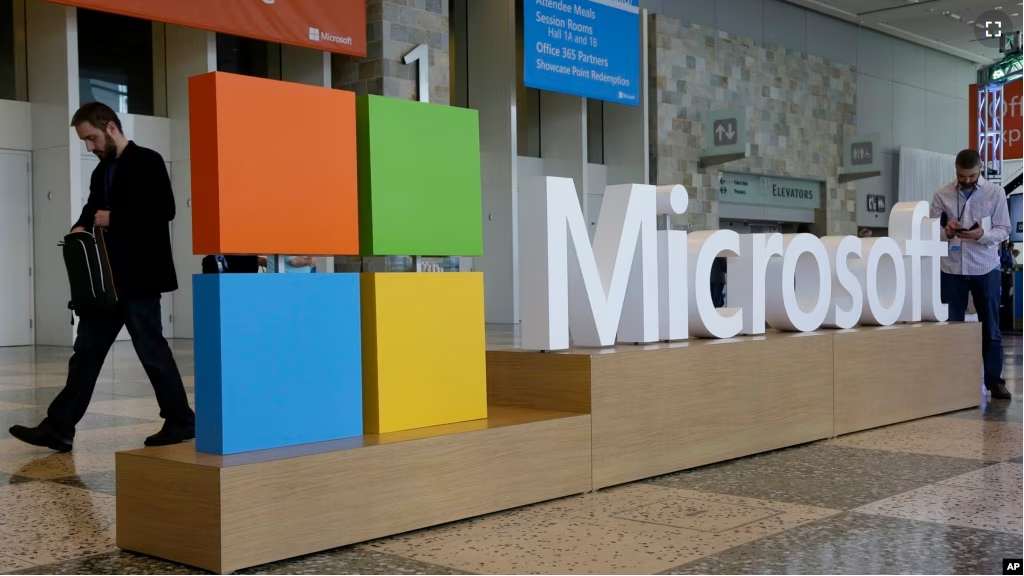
(131, 203)
(975, 221)
(718, 278)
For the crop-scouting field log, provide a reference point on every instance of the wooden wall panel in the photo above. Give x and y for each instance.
(906, 371)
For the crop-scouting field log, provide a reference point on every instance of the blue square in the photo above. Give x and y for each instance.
(278, 360)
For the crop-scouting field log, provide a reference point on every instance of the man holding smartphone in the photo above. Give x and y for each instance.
(976, 221)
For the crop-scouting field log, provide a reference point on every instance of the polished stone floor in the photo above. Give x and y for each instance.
(940, 495)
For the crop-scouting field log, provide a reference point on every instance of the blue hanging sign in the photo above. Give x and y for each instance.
(588, 48)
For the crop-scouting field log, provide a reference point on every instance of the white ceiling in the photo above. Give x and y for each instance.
(945, 25)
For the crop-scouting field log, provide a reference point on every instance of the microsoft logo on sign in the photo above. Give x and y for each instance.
(316, 35)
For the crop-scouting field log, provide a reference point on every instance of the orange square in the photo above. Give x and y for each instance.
(273, 167)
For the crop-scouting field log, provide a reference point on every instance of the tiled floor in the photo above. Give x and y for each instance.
(936, 496)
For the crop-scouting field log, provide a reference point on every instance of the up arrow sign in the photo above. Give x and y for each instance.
(725, 132)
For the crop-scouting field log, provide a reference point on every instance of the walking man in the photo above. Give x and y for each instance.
(131, 203)
(976, 221)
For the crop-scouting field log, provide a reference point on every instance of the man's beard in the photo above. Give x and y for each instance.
(109, 151)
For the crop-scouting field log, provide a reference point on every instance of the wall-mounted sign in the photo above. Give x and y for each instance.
(588, 48)
(743, 188)
(862, 153)
(725, 132)
(327, 25)
(421, 56)
(876, 203)
(862, 157)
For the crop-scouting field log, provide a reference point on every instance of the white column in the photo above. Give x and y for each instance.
(306, 66)
(52, 63)
(189, 52)
(563, 140)
(492, 92)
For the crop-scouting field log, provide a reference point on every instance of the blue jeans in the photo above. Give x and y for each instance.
(985, 291)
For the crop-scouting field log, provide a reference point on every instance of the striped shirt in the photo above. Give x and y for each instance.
(973, 257)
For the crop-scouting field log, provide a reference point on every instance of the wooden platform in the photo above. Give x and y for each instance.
(661, 408)
(224, 513)
(560, 424)
(904, 372)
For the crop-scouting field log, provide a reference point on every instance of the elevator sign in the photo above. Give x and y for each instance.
(588, 48)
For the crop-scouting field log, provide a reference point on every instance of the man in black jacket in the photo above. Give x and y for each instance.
(131, 204)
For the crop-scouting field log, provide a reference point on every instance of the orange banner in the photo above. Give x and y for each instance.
(1011, 115)
(331, 25)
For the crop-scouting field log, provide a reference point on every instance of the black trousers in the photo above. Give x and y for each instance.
(96, 334)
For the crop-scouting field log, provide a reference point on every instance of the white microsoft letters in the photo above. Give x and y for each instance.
(587, 294)
(639, 284)
(918, 238)
(673, 288)
(745, 282)
(847, 296)
(801, 284)
(705, 320)
(884, 288)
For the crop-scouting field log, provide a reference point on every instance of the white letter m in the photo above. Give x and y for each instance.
(594, 292)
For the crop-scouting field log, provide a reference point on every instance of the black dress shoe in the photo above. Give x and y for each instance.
(999, 392)
(41, 436)
(171, 434)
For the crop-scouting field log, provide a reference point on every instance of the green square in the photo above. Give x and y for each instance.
(419, 179)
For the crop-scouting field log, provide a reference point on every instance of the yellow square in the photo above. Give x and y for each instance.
(423, 350)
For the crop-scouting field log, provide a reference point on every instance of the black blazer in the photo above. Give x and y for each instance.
(141, 207)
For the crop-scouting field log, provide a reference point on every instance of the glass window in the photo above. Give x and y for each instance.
(248, 56)
(7, 74)
(115, 61)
